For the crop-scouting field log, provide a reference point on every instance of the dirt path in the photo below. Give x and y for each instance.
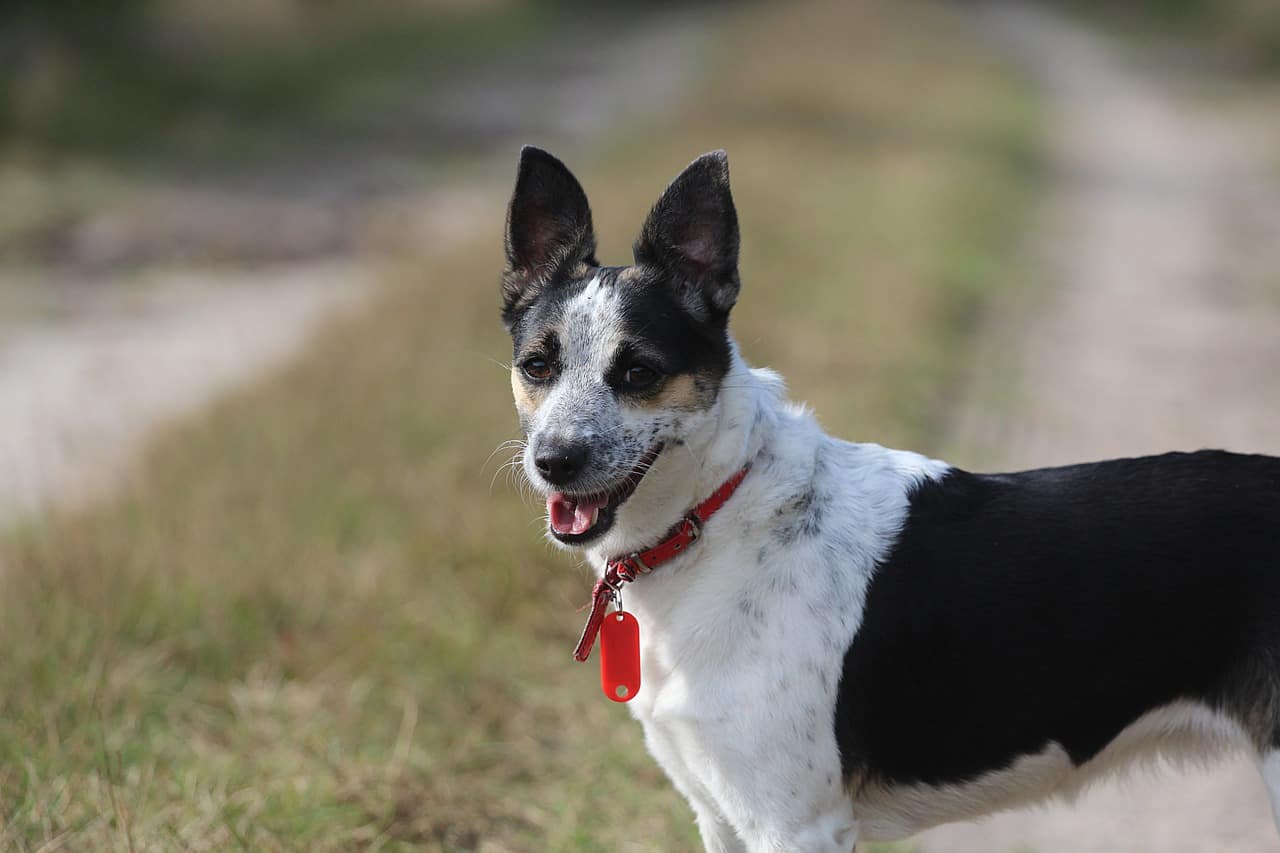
(142, 311)
(93, 367)
(1156, 326)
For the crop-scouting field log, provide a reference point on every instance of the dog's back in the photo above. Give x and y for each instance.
(1034, 617)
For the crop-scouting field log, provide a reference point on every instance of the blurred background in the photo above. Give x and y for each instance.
(264, 582)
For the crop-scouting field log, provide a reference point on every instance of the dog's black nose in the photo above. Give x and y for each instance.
(561, 463)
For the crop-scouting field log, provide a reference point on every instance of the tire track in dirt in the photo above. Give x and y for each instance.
(80, 392)
(1152, 324)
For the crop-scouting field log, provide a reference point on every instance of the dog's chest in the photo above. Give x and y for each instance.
(742, 650)
(743, 642)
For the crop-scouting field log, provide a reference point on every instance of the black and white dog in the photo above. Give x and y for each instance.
(848, 641)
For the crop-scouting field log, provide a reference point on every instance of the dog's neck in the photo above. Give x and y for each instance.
(724, 440)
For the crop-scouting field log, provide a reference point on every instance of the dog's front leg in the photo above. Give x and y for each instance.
(833, 833)
(717, 835)
(780, 800)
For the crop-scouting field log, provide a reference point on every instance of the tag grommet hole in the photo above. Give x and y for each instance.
(621, 691)
(617, 617)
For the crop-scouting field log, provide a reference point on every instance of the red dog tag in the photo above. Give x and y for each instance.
(620, 656)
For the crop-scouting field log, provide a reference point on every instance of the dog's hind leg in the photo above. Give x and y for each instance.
(1269, 763)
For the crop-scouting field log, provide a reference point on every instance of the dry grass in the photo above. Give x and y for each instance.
(310, 622)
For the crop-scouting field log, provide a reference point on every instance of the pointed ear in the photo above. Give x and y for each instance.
(692, 233)
(548, 226)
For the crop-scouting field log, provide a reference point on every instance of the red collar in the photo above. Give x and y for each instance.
(626, 569)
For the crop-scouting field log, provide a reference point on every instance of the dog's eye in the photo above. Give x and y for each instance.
(640, 376)
(537, 369)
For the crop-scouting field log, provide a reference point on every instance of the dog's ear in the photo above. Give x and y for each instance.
(692, 233)
(548, 227)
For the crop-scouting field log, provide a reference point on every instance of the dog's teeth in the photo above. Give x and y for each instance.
(595, 516)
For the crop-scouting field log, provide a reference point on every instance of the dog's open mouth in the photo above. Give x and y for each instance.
(576, 519)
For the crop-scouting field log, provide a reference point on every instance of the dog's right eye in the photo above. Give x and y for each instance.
(639, 376)
(538, 369)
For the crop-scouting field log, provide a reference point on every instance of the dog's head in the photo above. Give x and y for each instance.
(614, 366)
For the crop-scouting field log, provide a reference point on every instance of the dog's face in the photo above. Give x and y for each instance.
(613, 366)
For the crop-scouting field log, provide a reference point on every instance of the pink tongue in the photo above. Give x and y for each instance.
(569, 516)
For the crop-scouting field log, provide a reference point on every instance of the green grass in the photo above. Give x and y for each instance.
(115, 99)
(1243, 34)
(179, 83)
(309, 621)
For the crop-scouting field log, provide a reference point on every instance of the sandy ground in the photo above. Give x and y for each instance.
(94, 367)
(142, 311)
(1154, 325)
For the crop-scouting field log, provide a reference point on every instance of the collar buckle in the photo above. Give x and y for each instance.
(637, 562)
(618, 572)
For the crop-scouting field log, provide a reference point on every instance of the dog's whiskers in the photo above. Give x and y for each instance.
(506, 445)
(510, 467)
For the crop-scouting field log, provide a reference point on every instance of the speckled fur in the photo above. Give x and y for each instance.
(741, 644)
(815, 595)
(747, 614)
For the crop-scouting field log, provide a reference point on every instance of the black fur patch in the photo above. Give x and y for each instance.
(1060, 605)
(549, 232)
(658, 328)
(675, 300)
(692, 234)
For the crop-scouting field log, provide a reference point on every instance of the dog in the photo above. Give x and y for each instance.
(842, 641)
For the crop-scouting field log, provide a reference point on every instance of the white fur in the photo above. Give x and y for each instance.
(741, 648)
(580, 406)
(1181, 731)
(721, 630)
(1269, 764)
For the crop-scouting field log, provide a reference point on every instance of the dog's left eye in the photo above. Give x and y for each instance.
(537, 369)
(640, 376)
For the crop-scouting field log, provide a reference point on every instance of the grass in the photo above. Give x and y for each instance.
(108, 101)
(1241, 34)
(309, 621)
(185, 82)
